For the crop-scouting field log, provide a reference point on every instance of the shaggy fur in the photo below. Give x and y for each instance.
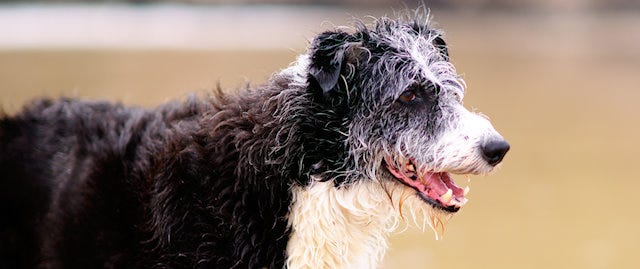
(306, 171)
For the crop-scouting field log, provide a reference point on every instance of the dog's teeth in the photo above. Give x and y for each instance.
(466, 190)
(459, 202)
(411, 168)
(446, 197)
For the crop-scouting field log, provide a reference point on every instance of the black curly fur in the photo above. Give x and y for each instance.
(199, 184)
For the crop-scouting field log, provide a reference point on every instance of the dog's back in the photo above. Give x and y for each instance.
(67, 158)
(24, 192)
(97, 185)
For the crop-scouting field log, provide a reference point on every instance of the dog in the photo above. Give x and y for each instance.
(313, 169)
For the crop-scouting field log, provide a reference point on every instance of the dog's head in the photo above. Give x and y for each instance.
(400, 101)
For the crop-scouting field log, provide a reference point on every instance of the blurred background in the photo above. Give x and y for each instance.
(558, 78)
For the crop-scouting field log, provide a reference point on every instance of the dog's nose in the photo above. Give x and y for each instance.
(494, 150)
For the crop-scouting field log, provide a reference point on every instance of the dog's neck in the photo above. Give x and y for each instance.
(339, 227)
(336, 227)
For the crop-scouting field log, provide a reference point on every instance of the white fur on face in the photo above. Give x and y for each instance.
(348, 226)
(457, 146)
(458, 149)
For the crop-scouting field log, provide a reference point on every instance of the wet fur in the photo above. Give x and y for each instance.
(232, 181)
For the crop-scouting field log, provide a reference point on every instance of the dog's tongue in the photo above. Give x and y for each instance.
(440, 184)
(437, 186)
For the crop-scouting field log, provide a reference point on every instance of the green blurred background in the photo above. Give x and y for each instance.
(559, 79)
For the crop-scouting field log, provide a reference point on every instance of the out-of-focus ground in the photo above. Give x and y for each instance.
(562, 87)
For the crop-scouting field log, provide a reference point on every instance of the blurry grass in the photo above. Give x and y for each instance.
(145, 78)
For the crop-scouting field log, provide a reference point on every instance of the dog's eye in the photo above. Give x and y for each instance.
(408, 96)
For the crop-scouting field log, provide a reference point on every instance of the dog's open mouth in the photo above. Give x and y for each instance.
(435, 188)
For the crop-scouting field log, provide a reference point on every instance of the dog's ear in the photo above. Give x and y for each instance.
(439, 43)
(329, 52)
(420, 28)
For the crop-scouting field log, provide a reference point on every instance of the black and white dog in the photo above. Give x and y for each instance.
(311, 170)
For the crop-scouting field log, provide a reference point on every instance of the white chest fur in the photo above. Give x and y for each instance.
(338, 227)
(347, 227)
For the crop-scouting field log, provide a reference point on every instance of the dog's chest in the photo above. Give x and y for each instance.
(338, 227)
